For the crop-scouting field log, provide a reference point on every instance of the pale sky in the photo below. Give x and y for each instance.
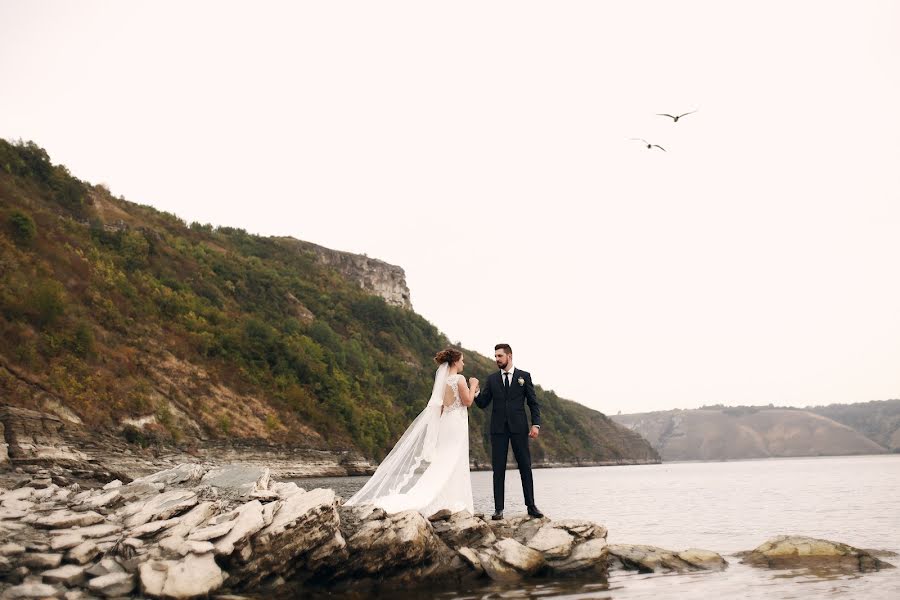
(484, 147)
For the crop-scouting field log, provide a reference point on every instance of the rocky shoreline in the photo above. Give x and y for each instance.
(32, 436)
(199, 529)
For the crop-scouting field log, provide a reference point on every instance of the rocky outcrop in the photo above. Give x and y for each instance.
(650, 559)
(32, 435)
(197, 529)
(790, 552)
(373, 275)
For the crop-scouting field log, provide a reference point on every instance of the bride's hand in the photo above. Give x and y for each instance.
(473, 383)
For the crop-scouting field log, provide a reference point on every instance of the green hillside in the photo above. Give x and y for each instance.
(130, 320)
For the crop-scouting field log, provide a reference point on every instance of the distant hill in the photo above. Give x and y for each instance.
(878, 420)
(720, 433)
(129, 320)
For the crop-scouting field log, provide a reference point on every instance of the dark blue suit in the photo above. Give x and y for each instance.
(509, 426)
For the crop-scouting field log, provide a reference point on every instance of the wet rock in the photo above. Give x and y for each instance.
(113, 584)
(649, 559)
(522, 558)
(69, 575)
(587, 557)
(789, 552)
(703, 559)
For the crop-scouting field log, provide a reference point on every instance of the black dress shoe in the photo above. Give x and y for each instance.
(497, 516)
(535, 512)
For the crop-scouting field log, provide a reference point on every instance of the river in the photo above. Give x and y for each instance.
(721, 506)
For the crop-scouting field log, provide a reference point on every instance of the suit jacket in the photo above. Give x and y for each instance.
(509, 407)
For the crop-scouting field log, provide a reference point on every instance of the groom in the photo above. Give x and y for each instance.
(511, 388)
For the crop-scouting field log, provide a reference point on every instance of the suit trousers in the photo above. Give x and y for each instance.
(500, 443)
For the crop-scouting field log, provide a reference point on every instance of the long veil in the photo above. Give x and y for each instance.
(413, 452)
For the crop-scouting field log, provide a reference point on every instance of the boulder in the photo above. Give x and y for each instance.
(587, 557)
(194, 576)
(650, 559)
(461, 529)
(304, 524)
(554, 542)
(383, 546)
(790, 552)
(522, 558)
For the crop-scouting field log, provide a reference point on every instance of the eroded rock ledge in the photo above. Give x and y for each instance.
(197, 529)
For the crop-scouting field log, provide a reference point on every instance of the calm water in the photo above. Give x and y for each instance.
(722, 506)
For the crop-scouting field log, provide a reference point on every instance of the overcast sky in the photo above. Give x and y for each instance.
(484, 147)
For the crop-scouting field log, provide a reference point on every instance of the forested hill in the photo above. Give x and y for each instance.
(129, 320)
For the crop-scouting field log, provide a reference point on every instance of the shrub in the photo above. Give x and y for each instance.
(22, 227)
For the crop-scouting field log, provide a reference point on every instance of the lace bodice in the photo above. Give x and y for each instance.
(453, 383)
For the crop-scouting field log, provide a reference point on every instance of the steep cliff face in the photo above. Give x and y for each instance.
(373, 275)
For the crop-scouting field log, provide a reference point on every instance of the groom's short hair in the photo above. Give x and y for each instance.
(505, 347)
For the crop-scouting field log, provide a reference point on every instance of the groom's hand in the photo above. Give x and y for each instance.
(535, 431)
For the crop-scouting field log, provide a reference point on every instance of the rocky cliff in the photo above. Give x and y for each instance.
(173, 337)
(373, 275)
(746, 432)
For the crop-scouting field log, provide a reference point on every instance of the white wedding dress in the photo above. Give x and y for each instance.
(428, 468)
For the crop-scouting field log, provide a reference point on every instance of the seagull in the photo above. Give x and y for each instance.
(649, 145)
(675, 117)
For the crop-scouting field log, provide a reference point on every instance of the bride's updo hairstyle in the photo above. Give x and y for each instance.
(449, 355)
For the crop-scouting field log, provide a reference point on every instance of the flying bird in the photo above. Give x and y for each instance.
(675, 117)
(649, 145)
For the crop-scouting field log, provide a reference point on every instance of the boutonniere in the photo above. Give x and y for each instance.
(521, 381)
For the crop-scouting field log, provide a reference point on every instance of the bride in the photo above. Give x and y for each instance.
(428, 468)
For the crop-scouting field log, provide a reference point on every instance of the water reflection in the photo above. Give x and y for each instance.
(725, 507)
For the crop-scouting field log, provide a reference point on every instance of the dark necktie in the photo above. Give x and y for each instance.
(506, 380)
